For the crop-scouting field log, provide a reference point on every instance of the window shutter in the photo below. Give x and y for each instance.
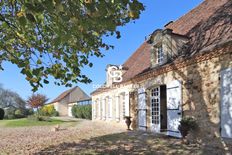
(127, 105)
(110, 107)
(117, 108)
(99, 109)
(142, 109)
(226, 103)
(104, 108)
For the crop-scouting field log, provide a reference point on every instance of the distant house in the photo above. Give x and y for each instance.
(64, 102)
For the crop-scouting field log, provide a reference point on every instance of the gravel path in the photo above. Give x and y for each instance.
(29, 140)
(88, 137)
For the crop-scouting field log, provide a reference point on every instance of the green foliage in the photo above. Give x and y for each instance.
(10, 113)
(187, 124)
(19, 113)
(56, 38)
(29, 111)
(13, 113)
(82, 111)
(48, 110)
(2, 113)
(39, 118)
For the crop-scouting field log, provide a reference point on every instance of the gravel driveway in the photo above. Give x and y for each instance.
(87, 137)
(29, 140)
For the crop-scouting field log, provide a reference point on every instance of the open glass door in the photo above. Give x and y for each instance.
(155, 109)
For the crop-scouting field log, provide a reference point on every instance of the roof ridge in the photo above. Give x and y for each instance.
(60, 97)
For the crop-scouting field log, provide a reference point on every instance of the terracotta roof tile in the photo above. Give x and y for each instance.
(63, 95)
(79, 96)
(138, 62)
(201, 13)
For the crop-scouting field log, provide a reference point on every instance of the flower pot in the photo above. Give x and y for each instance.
(128, 122)
(184, 130)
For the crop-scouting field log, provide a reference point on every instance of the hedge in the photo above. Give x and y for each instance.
(82, 111)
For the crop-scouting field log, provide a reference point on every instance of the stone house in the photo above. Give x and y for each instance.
(64, 102)
(182, 70)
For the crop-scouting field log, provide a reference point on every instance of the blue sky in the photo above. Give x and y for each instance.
(157, 14)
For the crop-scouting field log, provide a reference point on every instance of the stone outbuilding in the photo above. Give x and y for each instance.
(65, 101)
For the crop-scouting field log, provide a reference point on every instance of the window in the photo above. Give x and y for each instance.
(160, 54)
(84, 102)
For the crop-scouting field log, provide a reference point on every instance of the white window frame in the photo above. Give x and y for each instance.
(160, 54)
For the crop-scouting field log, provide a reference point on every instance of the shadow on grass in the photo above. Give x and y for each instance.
(126, 143)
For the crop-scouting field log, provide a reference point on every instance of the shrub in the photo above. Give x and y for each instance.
(48, 110)
(13, 113)
(38, 118)
(19, 113)
(82, 111)
(2, 113)
(10, 113)
(29, 112)
(186, 124)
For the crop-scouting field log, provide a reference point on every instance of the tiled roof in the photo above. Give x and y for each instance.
(206, 25)
(79, 96)
(199, 14)
(138, 62)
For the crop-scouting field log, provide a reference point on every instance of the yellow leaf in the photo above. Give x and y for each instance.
(20, 14)
(88, 1)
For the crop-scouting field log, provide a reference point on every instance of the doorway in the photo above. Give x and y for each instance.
(158, 109)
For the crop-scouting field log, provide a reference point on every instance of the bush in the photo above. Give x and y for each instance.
(48, 110)
(13, 113)
(29, 112)
(10, 113)
(19, 113)
(2, 113)
(186, 124)
(82, 111)
(38, 118)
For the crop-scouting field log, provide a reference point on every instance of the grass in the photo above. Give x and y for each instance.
(27, 122)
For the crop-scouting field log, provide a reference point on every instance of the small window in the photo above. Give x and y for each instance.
(160, 54)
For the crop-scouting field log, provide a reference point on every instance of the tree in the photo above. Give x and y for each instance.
(57, 37)
(11, 102)
(10, 99)
(37, 101)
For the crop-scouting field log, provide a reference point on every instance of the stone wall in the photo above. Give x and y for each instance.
(200, 93)
(116, 95)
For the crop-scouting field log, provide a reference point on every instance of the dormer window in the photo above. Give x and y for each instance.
(165, 46)
(160, 54)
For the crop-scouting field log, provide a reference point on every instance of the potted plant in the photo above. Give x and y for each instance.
(186, 124)
(128, 122)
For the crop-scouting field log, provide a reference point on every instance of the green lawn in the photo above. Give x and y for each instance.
(27, 122)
